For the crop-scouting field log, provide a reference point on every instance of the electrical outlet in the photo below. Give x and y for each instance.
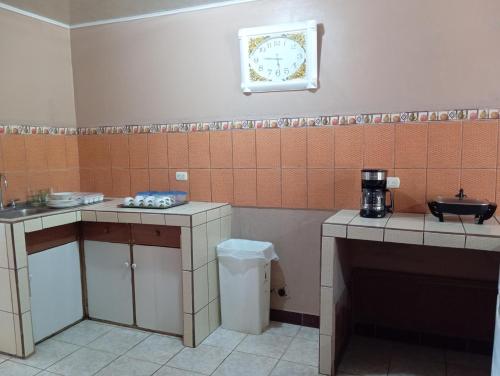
(393, 182)
(181, 176)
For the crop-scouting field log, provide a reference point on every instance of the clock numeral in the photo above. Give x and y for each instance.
(278, 73)
(277, 43)
(255, 60)
(295, 65)
(299, 56)
(261, 68)
(269, 72)
(286, 71)
(262, 49)
(269, 45)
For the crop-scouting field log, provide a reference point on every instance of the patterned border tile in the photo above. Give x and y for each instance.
(319, 121)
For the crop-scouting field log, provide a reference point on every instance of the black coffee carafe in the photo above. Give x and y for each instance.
(373, 194)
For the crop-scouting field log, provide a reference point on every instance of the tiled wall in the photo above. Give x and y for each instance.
(309, 167)
(33, 162)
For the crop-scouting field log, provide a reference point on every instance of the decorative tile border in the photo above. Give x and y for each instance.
(34, 129)
(379, 118)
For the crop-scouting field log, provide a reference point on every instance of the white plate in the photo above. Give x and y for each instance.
(63, 203)
(61, 195)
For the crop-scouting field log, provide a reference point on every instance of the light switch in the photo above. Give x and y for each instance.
(393, 182)
(181, 176)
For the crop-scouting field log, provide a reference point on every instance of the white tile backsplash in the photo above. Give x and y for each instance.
(187, 262)
(213, 280)
(327, 246)
(213, 238)
(58, 219)
(20, 244)
(225, 228)
(187, 291)
(33, 225)
(201, 325)
(8, 337)
(5, 290)
(214, 314)
(200, 288)
(200, 245)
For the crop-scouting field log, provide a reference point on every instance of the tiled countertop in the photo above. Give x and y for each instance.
(111, 205)
(422, 229)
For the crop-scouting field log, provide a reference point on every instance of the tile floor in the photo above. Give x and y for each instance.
(92, 348)
(373, 357)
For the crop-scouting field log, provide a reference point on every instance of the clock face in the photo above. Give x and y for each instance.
(279, 58)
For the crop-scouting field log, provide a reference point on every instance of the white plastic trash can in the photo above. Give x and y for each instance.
(245, 284)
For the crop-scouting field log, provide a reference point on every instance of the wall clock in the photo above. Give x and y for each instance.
(279, 57)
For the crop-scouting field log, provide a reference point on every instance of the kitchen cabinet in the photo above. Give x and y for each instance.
(56, 290)
(158, 288)
(109, 281)
(134, 267)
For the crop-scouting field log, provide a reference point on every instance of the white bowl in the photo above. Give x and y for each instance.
(61, 195)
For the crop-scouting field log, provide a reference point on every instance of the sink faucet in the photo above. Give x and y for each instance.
(3, 179)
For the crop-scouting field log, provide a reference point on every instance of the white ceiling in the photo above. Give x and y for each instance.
(76, 12)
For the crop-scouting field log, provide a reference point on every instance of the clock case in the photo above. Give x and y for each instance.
(310, 81)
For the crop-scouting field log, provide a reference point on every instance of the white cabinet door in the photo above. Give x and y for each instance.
(56, 289)
(109, 281)
(158, 288)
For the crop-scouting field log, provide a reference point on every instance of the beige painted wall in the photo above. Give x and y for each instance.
(386, 55)
(36, 77)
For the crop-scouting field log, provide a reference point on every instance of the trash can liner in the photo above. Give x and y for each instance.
(245, 284)
(242, 249)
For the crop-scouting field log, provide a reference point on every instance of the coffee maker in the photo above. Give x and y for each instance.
(373, 194)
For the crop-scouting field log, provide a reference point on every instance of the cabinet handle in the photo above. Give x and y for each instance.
(134, 266)
(126, 264)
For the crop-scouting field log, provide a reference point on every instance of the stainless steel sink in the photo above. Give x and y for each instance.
(20, 212)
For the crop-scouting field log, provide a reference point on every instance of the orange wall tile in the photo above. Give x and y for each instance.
(294, 188)
(56, 151)
(119, 150)
(120, 182)
(139, 180)
(199, 149)
(294, 148)
(411, 145)
(268, 146)
(410, 197)
(245, 187)
(269, 188)
(442, 182)
(159, 179)
(222, 185)
(200, 185)
(320, 147)
(479, 183)
(317, 168)
(138, 150)
(379, 146)
(221, 149)
(72, 158)
(320, 189)
(445, 145)
(244, 155)
(14, 152)
(157, 150)
(36, 152)
(479, 144)
(347, 188)
(178, 156)
(348, 147)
